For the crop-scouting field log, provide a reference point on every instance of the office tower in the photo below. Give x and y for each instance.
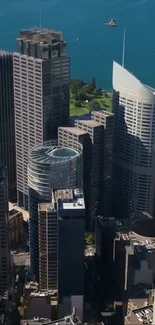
(41, 95)
(106, 187)
(48, 246)
(134, 260)
(92, 161)
(95, 131)
(50, 167)
(67, 134)
(61, 245)
(134, 108)
(7, 127)
(4, 237)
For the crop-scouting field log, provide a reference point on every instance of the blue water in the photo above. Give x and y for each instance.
(99, 45)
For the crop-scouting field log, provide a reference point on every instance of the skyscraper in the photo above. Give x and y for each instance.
(41, 95)
(61, 243)
(50, 167)
(7, 127)
(4, 237)
(106, 174)
(134, 108)
(90, 134)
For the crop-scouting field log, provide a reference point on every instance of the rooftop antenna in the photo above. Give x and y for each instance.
(123, 51)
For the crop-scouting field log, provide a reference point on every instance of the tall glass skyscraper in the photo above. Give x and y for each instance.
(134, 109)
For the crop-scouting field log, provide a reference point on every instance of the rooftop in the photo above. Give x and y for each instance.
(24, 212)
(65, 199)
(73, 130)
(46, 206)
(45, 35)
(67, 320)
(90, 123)
(70, 199)
(125, 81)
(140, 245)
(101, 113)
(144, 315)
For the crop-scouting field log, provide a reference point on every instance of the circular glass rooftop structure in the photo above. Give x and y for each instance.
(51, 166)
(51, 153)
(64, 152)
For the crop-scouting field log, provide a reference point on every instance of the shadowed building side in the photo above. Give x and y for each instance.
(4, 234)
(7, 121)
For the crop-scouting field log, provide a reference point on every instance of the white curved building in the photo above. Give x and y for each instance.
(134, 108)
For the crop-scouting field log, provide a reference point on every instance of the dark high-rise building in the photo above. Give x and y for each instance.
(61, 243)
(41, 95)
(7, 127)
(4, 236)
(106, 174)
(61, 247)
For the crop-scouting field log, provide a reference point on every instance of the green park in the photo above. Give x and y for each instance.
(85, 97)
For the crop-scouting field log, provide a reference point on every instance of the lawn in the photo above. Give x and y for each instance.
(105, 102)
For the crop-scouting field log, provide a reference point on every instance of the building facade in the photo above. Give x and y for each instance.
(90, 134)
(7, 121)
(16, 229)
(50, 167)
(96, 135)
(134, 109)
(61, 243)
(41, 95)
(65, 136)
(4, 234)
(106, 180)
(48, 246)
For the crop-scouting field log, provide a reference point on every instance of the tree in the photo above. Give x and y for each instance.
(76, 85)
(82, 96)
(87, 89)
(94, 83)
(98, 92)
(90, 238)
(94, 104)
(78, 103)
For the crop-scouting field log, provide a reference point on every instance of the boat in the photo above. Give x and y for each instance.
(111, 23)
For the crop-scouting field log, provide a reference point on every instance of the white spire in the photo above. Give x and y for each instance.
(123, 52)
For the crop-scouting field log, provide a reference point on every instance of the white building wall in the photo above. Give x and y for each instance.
(28, 113)
(134, 108)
